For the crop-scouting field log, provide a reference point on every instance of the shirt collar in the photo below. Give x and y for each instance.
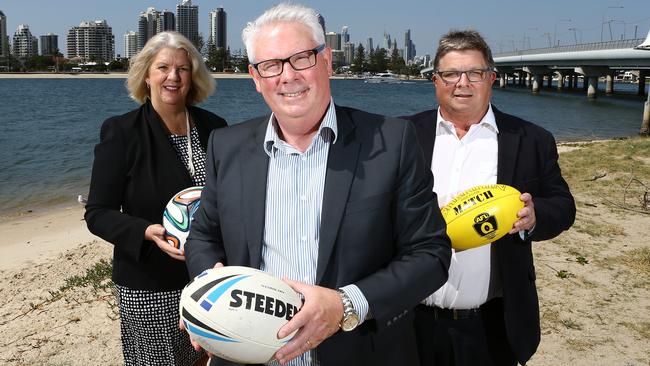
(488, 121)
(328, 130)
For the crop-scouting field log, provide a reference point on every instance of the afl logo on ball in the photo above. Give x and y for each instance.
(485, 225)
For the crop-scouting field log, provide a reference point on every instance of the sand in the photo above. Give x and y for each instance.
(593, 282)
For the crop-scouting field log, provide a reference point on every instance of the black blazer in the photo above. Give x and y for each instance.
(380, 228)
(528, 161)
(135, 172)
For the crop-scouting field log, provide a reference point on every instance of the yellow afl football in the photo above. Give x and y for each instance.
(481, 215)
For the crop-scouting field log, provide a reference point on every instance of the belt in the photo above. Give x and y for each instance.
(450, 314)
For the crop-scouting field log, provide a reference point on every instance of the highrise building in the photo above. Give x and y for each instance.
(333, 40)
(187, 21)
(130, 44)
(25, 45)
(91, 41)
(348, 53)
(385, 42)
(409, 47)
(4, 38)
(218, 28)
(49, 44)
(369, 45)
(166, 21)
(345, 36)
(152, 22)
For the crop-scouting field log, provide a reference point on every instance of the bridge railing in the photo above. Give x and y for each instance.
(609, 45)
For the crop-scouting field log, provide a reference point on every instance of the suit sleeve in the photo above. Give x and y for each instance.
(422, 248)
(204, 246)
(107, 183)
(555, 208)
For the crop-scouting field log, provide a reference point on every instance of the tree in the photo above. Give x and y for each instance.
(396, 63)
(378, 61)
(359, 62)
(218, 58)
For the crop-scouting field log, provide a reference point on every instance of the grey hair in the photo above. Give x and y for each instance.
(463, 40)
(203, 83)
(282, 13)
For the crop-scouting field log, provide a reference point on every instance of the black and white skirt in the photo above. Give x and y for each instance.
(149, 327)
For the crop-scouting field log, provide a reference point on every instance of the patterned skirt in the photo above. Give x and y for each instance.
(149, 327)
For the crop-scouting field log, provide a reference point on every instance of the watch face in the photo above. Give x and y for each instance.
(350, 322)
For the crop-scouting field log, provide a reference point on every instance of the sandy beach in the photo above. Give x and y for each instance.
(57, 306)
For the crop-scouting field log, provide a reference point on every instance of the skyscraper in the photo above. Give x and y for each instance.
(152, 22)
(348, 53)
(385, 42)
(333, 40)
(25, 45)
(91, 41)
(130, 44)
(166, 21)
(369, 45)
(49, 44)
(187, 21)
(345, 36)
(4, 38)
(409, 47)
(218, 28)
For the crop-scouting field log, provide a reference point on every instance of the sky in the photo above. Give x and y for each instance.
(507, 25)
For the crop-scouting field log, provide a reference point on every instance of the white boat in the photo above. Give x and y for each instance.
(383, 77)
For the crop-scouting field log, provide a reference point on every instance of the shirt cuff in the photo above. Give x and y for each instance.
(525, 234)
(359, 301)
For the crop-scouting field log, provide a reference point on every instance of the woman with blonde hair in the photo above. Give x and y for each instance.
(142, 159)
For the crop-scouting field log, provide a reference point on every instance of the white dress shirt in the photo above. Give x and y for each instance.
(294, 201)
(459, 164)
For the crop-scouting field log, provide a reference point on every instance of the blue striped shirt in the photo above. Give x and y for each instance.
(294, 201)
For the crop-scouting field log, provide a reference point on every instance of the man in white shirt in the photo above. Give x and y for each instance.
(487, 313)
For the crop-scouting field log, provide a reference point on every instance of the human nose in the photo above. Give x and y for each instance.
(464, 79)
(288, 72)
(174, 73)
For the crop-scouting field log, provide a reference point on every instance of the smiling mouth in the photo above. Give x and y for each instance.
(295, 94)
(462, 95)
(172, 88)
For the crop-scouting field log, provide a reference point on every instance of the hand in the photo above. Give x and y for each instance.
(318, 319)
(156, 234)
(526, 215)
(181, 325)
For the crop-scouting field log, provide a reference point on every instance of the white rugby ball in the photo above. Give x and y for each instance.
(236, 312)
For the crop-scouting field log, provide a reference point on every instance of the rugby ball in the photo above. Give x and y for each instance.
(177, 217)
(235, 313)
(481, 215)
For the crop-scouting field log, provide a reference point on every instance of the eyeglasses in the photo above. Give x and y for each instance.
(474, 76)
(299, 61)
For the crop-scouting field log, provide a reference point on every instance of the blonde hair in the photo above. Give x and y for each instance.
(203, 83)
(282, 13)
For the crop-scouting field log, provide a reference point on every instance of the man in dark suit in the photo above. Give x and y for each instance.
(337, 201)
(487, 313)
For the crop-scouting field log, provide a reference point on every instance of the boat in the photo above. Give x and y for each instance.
(383, 77)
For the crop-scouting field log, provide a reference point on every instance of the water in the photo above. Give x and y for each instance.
(50, 126)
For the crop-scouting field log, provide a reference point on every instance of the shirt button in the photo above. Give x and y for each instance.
(303, 197)
(303, 238)
(303, 158)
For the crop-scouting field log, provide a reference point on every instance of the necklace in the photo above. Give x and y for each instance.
(189, 144)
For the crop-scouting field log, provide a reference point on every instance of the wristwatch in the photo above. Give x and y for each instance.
(350, 318)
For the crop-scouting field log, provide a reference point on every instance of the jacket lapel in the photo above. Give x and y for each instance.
(254, 169)
(508, 143)
(341, 165)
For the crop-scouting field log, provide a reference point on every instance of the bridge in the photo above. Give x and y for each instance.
(567, 64)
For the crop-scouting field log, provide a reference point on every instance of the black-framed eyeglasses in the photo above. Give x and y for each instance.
(299, 61)
(474, 75)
